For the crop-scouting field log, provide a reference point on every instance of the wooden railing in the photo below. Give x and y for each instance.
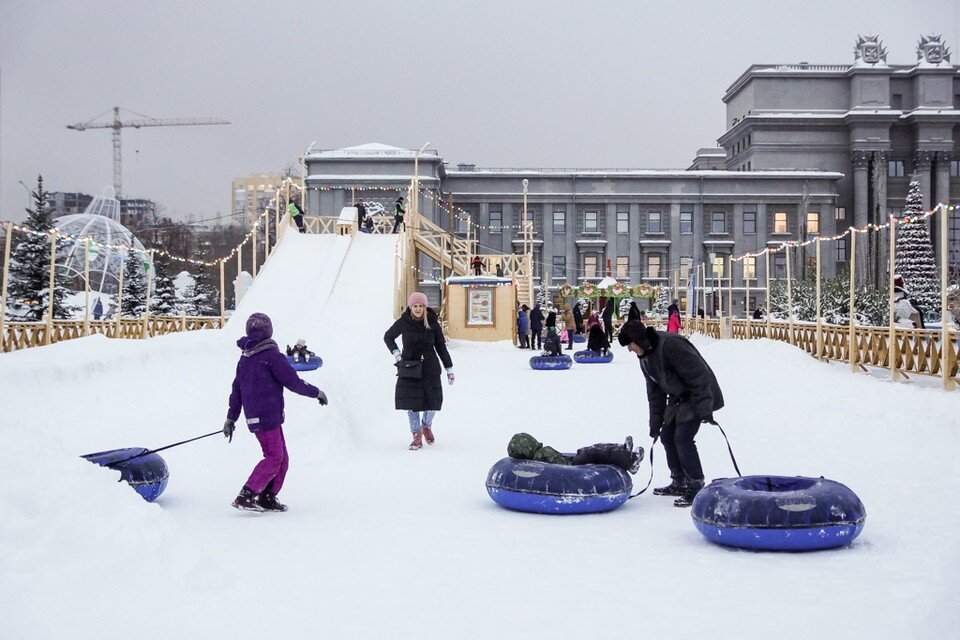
(328, 224)
(23, 335)
(918, 351)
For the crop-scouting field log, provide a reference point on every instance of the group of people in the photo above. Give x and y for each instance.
(682, 393)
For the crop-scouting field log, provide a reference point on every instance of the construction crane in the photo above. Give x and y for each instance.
(147, 121)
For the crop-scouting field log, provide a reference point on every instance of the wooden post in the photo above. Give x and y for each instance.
(353, 196)
(146, 311)
(239, 260)
(183, 320)
(53, 260)
(119, 311)
(819, 315)
(766, 267)
(789, 295)
(892, 347)
(266, 235)
(746, 295)
(730, 291)
(223, 295)
(703, 288)
(254, 247)
(276, 215)
(86, 286)
(852, 347)
(946, 347)
(3, 286)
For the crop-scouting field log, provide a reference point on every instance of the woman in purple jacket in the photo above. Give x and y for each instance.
(262, 373)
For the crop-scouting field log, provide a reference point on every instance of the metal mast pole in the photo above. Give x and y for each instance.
(115, 135)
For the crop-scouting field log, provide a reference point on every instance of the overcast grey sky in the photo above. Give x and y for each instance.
(497, 83)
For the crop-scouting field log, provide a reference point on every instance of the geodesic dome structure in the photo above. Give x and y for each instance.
(106, 262)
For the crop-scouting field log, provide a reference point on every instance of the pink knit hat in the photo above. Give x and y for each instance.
(417, 298)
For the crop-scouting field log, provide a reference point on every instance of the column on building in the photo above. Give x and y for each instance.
(546, 235)
(610, 233)
(760, 261)
(922, 161)
(861, 203)
(636, 268)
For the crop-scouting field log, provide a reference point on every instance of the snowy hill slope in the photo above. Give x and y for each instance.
(383, 542)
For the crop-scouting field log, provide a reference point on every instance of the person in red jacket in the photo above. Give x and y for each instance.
(674, 324)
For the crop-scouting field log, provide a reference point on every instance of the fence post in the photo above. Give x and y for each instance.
(854, 352)
(119, 311)
(53, 260)
(786, 250)
(766, 258)
(223, 298)
(730, 291)
(3, 286)
(253, 245)
(266, 235)
(946, 348)
(86, 286)
(746, 295)
(892, 347)
(819, 318)
(183, 319)
(146, 311)
(276, 215)
(703, 288)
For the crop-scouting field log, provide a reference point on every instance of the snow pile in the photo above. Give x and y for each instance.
(383, 542)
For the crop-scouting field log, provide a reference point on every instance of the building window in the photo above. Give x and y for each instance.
(686, 266)
(780, 222)
(653, 266)
(841, 213)
(813, 223)
(653, 222)
(841, 251)
(779, 265)
(719, 222)
(623, 268)
(462, 222)
(896, 101)
(559, 221)
(749, 222)
(750, 267)
(590, 222)
(895, 169)
(496, 221)
(590, 266)
(716, 266)
(560, 267)
(686, 220)
(953, 238)
(955, 168)
(623, 222)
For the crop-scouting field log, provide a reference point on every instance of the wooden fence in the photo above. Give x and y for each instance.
(23, 335)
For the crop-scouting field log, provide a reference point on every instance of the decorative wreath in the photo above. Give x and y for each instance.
(588, 289)
(617, 289)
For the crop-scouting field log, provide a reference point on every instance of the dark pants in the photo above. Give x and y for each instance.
(300, 224)
(524, 340)
(608, 330)
(570, 335)
(535, 339)
(477, 270)
(682, 456)
(397, 223)
(605, 453)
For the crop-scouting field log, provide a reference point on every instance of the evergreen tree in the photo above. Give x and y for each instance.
(29, 288)
(164, 299)
(663, 301)
(134, 301)
(915, 260)
(203, 298)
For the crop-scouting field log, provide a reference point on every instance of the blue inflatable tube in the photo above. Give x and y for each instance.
(586, 357)
(579, 337)
(148, 474)
(548, 363)
(538, 487)
(315, 362)
(778, 513)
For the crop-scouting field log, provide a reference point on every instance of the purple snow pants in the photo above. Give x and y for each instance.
(269, 472)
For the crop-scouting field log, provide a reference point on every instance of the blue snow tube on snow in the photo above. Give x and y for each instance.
(148, 474)
(539, 487)
(315, 362)
(778, 513)
(547, 363)
(587, 356)
(579, 337)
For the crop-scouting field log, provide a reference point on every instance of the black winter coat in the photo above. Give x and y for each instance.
(536, 319)
(608, 312)
(425, 394)
(681, 386)
(596, 339)
(578, 318)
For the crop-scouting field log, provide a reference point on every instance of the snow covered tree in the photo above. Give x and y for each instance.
(915, 260)
(203, 298)
(134, 301)
(663, 301)
(164, 299)
(29, 288)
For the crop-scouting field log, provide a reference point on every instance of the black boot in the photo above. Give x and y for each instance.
(675, 488)
(247, 501)
(689, 493)
(269, 502)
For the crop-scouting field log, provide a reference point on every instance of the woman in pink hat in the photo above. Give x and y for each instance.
(419, 390)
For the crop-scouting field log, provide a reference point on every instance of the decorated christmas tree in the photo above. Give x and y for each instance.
(915, 260)
(29, 288)
(134, 301)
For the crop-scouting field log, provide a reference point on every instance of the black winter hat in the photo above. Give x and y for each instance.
(552, 319)
(634, 331)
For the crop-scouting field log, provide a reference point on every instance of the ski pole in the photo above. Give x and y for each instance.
(169, 446)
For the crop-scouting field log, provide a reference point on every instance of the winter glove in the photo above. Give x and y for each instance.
(228, 428)
(322, 399)
(655, 431)
(708, 418)
(450, 377)
(397, 357)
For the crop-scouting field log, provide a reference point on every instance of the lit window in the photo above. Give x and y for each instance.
(719, 222)
(813, 223)
(686, 266)
(590, 266)
(623, 267)
(653, 266)
(841, 213)
(590, 221)
(750, 267)
(749, 222)
(780, 222)
(717, 266)
(623, 222)
(654, 223)
(559, 221)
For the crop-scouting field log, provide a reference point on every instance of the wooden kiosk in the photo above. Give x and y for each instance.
(481, 308)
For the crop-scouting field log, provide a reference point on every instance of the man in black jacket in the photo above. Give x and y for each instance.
(682, 393)
(536, 327)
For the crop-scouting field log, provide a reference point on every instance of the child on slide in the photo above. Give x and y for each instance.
(262, 374)
(300, 352)
(551, 342)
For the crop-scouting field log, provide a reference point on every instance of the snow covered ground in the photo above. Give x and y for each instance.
(384, 542)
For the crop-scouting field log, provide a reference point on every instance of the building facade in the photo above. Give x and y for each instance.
(809, 150)
(249, 196)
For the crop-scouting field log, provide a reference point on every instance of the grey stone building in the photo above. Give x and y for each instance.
(809, 150)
